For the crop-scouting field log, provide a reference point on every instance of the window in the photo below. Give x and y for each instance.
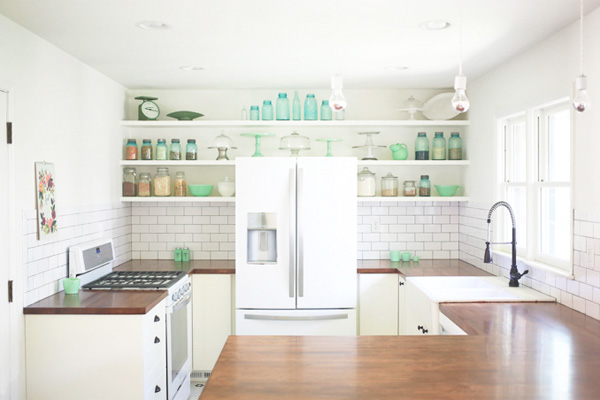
(535, 180)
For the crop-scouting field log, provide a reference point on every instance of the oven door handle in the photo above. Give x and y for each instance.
(181, 303)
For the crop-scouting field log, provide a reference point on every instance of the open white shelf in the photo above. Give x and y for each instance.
(416, 199)
(265, 124)
(413, 163)
(369, 163)
(178, 163)
(172, 199)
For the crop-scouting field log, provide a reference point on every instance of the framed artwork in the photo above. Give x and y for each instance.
(46, 200)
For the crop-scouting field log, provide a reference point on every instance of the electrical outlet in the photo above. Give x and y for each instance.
(375, 226)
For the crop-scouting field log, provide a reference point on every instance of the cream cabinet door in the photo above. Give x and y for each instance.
(378, 304)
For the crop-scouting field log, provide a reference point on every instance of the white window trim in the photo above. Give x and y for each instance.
(532, 256)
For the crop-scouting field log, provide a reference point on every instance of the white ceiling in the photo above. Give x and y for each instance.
(245, 44)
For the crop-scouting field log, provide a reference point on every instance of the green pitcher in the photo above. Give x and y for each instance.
(399, 151)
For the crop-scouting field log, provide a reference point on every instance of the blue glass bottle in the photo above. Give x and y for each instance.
(254, 113)
(267, 111)
(310, 108)
(326, 113)
(296, 108)
(283, 107)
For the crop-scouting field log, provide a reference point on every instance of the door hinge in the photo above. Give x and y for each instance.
(10, 291)
(9, 132)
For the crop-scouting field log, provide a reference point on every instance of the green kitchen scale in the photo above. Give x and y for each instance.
(148, 110)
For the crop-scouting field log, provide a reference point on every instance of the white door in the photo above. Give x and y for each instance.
(266, 185)
(4, 256)
(327, 208)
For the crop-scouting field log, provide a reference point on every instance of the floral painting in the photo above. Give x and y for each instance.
(46, 200)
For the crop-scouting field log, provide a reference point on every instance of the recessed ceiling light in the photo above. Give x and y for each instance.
(152, 25)
(396, 67)
(435, 25)
(192, 68)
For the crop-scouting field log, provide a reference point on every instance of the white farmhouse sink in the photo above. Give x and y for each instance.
(475, 289)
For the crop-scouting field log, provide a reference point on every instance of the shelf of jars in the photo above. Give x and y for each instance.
(413, 163)
(173, 199)
(216, 199)
(176, 163)
(249, 124)
(361, 163)
(415, 199)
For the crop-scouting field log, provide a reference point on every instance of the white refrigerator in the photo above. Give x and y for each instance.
(296, 246)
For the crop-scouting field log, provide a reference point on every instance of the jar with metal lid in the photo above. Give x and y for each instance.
(366, 183)
(180, 185)
(410, 190)
(162, 182)
(146, 149)
(424, 186)
(129, 182)
(191, 150)
(422, 147)
(438, 151)
(161, 149)
(389, 185)
(131, 151)
(455, 147)
(175, 150)
(144, 185)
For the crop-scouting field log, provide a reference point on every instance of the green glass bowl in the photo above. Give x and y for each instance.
(200, 190)
(447, 190)
(185, 115)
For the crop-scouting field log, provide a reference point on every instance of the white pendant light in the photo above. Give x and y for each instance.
(337, 101)
(581, 100)
(460, 102)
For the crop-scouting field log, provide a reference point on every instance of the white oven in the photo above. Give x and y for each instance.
(179, 342)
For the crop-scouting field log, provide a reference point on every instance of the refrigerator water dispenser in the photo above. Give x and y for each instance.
(262, 238)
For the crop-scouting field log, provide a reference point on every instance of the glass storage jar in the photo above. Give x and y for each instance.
(254, 113)
(424, 186)
(129, 182)
(389, 185)
(180, 185)
(191, 150)
(162, 182)
(267, 111)
(438, 151)
(422, 147)
(161, 149)
(131, 151)
(282, 107)
(455, 147)
(146, 149)
(310, 108)
(144, 185)
(326, 113)
(410, 190)
(175, 150)
(366, 183)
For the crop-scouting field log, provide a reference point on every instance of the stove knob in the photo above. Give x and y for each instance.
(173, 297)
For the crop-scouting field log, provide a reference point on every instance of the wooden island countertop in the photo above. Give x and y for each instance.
(513, 351)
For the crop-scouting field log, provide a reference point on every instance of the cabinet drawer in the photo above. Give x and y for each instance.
(155, 383)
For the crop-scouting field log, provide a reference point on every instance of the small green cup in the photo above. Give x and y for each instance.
(71, 285)
(406, 256)
(394, 256)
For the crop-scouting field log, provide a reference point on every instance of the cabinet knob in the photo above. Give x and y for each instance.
(157, 389)
(156, 339)
(425, 331)
(419, 327)
(401, 283)
(156, 318)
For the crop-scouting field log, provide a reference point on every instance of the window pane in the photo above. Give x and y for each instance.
(555, 227)
(516, 152)
(559, 146)
(517, 198)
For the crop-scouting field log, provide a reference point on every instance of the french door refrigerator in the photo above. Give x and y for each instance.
(296, 246)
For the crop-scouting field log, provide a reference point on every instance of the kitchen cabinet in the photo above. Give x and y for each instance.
(418, 312)
(401, 305)
(212, 316)
(378, 304)
(209, 171)
(112, 356)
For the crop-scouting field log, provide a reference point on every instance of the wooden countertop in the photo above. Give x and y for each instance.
(515, 351)
(420, 268)
(102, 302)
(192, 267)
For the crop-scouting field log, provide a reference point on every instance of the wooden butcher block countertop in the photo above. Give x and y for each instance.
(513, 351)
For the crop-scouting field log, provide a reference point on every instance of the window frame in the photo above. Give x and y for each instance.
(537, 142)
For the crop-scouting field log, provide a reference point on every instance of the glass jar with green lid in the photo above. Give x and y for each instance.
(161, 149)
(254, 113)
(424, 186)
(455, 147)
(422, 147)
(282, 107)
(191, 150)
(129, 182)
(326, 113)
(146, 149)
(310, 108)
(131, 151)
(267, 110)
(144, 185)
(175, 150)
(438, 151)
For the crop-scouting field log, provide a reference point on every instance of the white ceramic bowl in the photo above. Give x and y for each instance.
(226, 189)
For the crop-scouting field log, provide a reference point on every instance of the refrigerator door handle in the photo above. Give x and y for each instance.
(295, 318)
(300, 204)
(292, 235)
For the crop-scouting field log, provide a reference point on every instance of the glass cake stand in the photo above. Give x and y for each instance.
(369, 146)
(329, 141)
(257, 137)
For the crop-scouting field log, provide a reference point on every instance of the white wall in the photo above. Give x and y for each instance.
(66, 113)
(543, 73)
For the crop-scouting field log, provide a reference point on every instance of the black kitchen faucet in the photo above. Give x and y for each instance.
(487, 256)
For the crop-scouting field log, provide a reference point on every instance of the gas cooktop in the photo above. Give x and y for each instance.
(137, 280)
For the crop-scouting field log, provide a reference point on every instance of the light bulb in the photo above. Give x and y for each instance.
(581, 101)
(460, 102)
(337, 101)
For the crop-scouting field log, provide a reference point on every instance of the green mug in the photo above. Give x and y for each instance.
(406, 256)
(394, 256)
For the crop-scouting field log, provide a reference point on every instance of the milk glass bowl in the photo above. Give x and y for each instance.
(226, 188)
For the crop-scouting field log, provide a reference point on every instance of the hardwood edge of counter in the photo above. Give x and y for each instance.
(212, 271)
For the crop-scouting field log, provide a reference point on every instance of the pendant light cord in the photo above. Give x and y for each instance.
(581, 37)
(460, 36)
